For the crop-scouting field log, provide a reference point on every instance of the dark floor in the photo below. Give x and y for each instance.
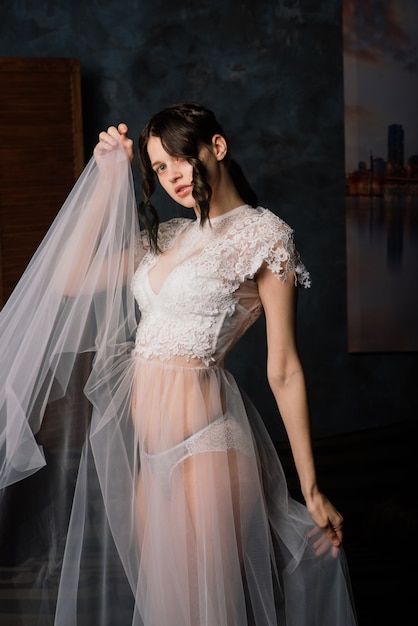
(369, 476)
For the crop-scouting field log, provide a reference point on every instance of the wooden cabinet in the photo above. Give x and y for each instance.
(41, 154)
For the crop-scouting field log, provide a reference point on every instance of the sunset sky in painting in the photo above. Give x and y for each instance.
(380, 75)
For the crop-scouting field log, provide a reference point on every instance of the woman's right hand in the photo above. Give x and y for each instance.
(110, 139)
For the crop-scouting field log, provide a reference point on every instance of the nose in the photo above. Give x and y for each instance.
(174, 170)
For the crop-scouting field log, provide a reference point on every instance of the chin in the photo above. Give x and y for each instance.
(186, 203)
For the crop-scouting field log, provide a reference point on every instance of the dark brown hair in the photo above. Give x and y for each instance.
(183, 129)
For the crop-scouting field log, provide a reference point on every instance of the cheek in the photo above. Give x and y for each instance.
(162, 180)
(188, 172)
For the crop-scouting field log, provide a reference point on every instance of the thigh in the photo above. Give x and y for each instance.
(221, 489)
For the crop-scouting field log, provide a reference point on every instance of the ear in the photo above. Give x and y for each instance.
(219, 147)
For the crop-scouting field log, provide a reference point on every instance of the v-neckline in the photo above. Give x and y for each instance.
(193, 224)
(156, 258)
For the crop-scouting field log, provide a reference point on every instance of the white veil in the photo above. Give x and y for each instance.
(66, 336)
(72, 299)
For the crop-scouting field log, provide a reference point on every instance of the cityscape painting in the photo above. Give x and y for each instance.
(381, 156)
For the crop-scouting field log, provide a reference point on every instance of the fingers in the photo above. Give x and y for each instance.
(111, 138)
(322, 542)
(123, 129)
(329, 520)
(335, 535)
(334, 530)
(108, 140)
(128, 144)
(326, 535)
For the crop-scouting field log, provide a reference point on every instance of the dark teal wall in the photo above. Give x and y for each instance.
(272, 70)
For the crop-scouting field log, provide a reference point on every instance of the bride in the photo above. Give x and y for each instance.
(180, 493)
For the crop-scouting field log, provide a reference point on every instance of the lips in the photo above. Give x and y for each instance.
(183, 190)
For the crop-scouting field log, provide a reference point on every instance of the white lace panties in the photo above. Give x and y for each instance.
(221, 435)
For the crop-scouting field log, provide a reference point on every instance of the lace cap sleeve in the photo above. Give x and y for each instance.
(282, 257)
(268, 239)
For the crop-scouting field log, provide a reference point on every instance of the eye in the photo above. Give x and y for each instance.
(160, 169)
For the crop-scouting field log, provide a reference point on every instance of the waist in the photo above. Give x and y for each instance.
(178, 361)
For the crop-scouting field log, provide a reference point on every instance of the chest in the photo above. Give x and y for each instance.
(201, 271)
(197, 284)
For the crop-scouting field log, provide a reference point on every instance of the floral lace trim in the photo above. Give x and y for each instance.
(176, 338)
(255, 237)
(239, 244)
(222, 435)
(199, 294)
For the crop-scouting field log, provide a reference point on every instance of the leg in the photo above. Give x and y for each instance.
(220, 490)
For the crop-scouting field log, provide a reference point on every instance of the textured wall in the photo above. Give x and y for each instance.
(272, 70)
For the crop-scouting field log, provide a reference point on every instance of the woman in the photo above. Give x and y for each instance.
(194, 496)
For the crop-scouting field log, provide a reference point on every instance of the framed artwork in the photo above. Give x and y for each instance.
(381, 158)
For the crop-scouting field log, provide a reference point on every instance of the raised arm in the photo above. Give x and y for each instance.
(287, 382)
(109, 190)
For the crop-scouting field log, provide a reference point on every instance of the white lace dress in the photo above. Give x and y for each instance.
(180, 515)
(219, 541)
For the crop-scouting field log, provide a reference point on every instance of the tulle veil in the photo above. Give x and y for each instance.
(65, 332)
(72, 299)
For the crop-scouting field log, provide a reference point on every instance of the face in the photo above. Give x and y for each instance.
(174, 174)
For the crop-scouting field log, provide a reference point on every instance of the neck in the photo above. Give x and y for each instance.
(225, 196)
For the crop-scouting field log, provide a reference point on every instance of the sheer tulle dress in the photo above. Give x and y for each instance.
(180, 514)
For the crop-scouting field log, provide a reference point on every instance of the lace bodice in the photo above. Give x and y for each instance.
(200, 294)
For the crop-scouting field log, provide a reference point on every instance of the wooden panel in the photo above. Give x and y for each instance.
(41, 154)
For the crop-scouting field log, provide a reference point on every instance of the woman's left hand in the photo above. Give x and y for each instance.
(328, 520)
